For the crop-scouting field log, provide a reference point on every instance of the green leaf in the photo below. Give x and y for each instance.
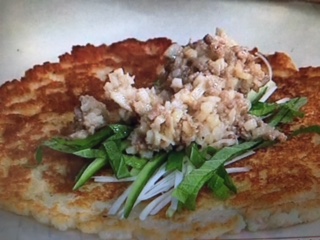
(134, 162)
(188, 190)
(144, 175)
(124, 144)
(92, 169)
(227, 179)
(83, 148)
(115, 131)
(73, 145)
(175, 161)
(261, 109)
(61, 145)
(289, 111)
(309, 129)
(221, 184)
(90, 153)
(195, 156)
(209, 151)
(116, 159)
(218, 187)
(134, 172)
(120, 131)
(88, 142)
(81, 172)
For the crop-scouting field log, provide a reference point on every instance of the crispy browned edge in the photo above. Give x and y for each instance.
(50, 107)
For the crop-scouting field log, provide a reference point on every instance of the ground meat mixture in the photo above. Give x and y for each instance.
(219, 56)
(203, 99)
(91, 115)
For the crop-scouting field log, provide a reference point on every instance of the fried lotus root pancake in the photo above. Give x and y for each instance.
(281, 189)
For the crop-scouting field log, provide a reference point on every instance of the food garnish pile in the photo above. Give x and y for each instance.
(138, 139)
(208, 109)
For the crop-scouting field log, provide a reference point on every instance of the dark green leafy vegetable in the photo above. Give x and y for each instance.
(107, 146)
(90, 153)
(280, 113)
(111, 152)
(188, 190)
(120, 131)
(262, 109)
(115, 156)
(221, 184)
(81, 172)
(209, 151)
(175, 161)
(195, 156)
(135, 162)
(66, 145)
(288, 111)
(124, 144)
(93, 168)
(72, 145)
(58, 144)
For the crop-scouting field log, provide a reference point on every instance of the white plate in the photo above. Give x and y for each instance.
(32, 32)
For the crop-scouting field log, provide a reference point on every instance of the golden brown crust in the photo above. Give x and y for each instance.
(283, 178)
(282, 65)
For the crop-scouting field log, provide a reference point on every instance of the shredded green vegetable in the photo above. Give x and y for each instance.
(93, 168)
(107, 148)
(175, 161)
(142, 179)
(221, 184)
(195, 156)
(262, 109)
(188, 190)
(288, 111)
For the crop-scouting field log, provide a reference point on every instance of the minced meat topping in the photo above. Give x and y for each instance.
(203, 99)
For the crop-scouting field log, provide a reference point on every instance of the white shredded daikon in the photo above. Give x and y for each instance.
(242, 156)
(237, 169)
(119, 202)
(272, 87)
(162, 186)
(110, 179)
(165, 201)
(283, 100)
(159, 174)
(174, 202)
(147, 210)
